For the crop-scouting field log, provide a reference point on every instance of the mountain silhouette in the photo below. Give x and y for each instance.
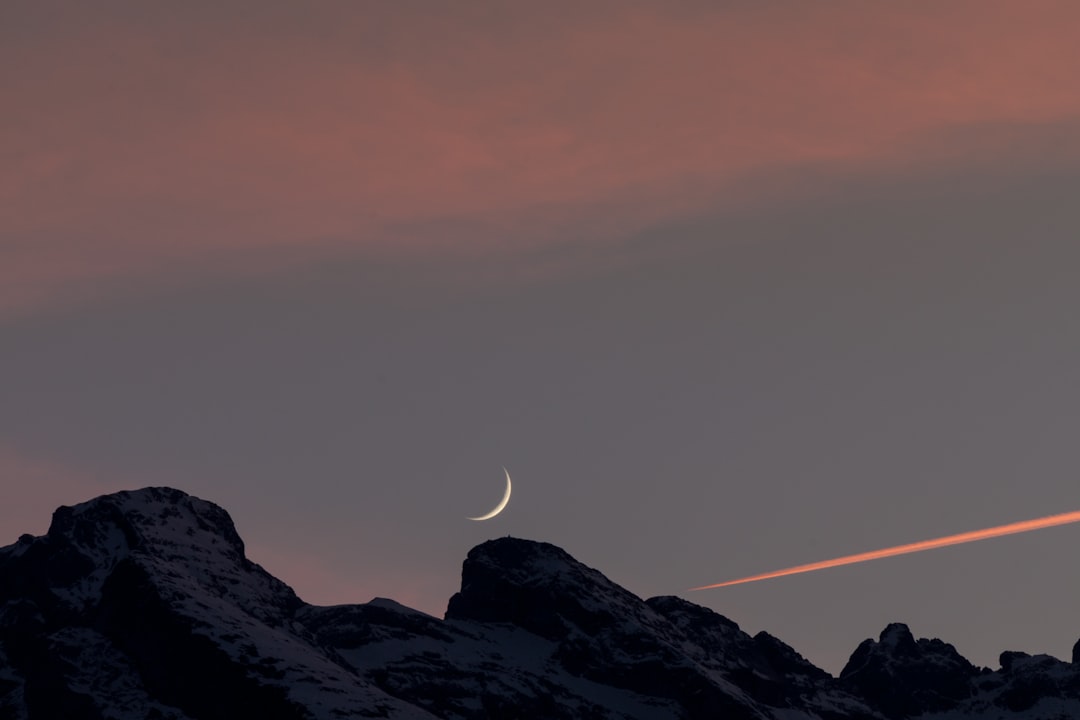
(142, 604)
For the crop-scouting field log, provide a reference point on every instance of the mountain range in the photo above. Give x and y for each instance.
(142, 605)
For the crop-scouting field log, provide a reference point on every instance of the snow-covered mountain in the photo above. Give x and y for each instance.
(142, 605)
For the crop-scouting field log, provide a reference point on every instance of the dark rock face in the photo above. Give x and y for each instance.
(664, 648)
(142, 605)
(599, 631)
(904, 677)
(535, 586)
(765, 668)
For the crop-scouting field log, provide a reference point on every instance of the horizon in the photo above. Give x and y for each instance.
(442, 615)
(726, 287)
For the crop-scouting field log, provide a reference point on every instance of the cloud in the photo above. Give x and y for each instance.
(158, 143)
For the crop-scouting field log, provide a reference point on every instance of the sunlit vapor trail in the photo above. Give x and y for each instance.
(966, 537)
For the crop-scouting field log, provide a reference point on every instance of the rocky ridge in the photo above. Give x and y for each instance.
(142, 604)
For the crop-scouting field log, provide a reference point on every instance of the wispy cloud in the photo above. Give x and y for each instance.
(158, 143)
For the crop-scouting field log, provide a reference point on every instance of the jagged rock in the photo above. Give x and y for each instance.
(762, 666)
(142, 604)
(600, 631)
(151, 590)
(903, 677)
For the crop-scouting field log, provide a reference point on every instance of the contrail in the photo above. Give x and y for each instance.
(966, 537)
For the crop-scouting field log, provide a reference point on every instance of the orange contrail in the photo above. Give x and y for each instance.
(966, 537)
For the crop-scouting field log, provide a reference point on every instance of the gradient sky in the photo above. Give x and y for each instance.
(727, 286)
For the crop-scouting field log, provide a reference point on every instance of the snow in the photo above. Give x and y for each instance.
(500, 660)
(105, 550)
(102, 673)
(360, 660)
(194, 561)
(11, 690)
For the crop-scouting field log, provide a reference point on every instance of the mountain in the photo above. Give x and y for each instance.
(142, 604)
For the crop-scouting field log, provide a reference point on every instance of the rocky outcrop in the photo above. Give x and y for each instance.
(143, 604)
(904, 677)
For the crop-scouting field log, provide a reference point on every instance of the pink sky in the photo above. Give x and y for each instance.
(32, 488)
(892, 324)
(148, 146)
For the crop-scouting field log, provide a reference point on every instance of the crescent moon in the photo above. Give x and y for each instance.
(502, 503)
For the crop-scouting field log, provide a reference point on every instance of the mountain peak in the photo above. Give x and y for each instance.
(143, 604)
(152, 515)
(524, 558)
(907, 677)
(537, 586)
(185, 542)
(896, 639)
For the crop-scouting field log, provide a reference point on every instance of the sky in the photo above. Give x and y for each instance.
(727, 287)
